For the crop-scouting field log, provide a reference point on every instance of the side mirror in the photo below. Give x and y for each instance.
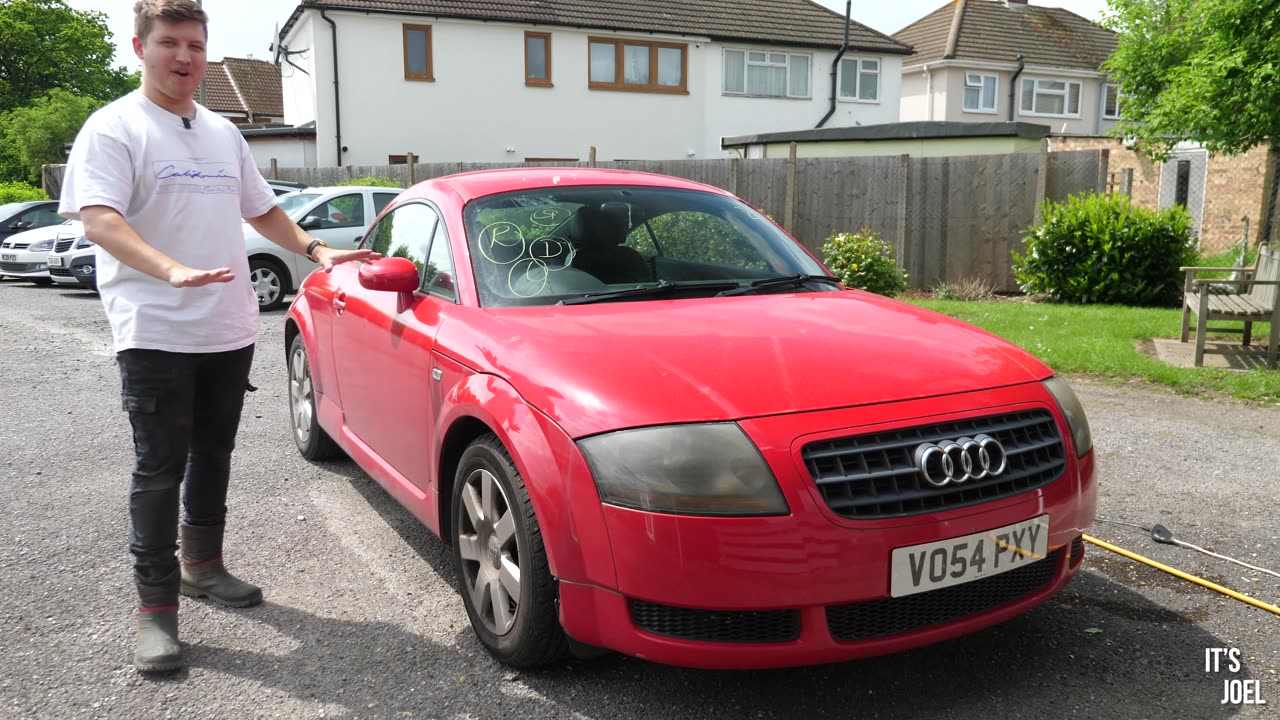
(311, 222)
(19, 225)
(393, 274)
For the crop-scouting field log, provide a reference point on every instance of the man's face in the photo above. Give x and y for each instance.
(173, 57)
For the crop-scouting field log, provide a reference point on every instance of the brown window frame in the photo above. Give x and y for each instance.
(532, 81)
(619, 70)
(429, 76)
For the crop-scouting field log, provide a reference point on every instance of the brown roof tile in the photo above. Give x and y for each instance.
(989, 30)
(259, 85)
(780, 22)
(220, 94)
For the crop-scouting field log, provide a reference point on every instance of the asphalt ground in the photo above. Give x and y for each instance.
(362, 619)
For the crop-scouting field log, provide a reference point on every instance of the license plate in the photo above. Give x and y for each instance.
(9, 258)
(54, 260)
(920, 568)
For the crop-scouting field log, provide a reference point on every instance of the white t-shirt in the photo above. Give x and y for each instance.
(184, 191)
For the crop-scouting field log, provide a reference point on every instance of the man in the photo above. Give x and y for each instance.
(161, 185)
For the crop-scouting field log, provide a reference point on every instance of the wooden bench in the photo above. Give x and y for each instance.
(1254, 301)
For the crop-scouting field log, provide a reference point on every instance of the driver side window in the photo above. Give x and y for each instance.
(405, 232)
(698, 237)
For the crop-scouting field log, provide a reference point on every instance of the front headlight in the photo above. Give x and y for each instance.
(42, 246)
(82, 242)
(1077, 423)
(711, 469)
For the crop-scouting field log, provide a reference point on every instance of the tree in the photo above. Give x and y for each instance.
(35, 134)
(1203, 70)
(44, 44)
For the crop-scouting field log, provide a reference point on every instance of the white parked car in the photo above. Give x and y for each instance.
(337, 215)
(72, 260)
(26, 254)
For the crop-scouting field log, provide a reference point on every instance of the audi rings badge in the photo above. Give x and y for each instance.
(959, 461)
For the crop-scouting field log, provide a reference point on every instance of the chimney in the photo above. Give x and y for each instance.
(1016, 4)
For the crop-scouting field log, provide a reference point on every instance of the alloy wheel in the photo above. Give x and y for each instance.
(301, 399)
(490, 551)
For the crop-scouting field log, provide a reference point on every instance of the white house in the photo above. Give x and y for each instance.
(512, 80)
(983, 61)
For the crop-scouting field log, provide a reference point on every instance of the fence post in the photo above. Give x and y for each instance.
(733, 176)
(789, 214)
(411, 159)
(275, 169)
(1126, 182)
(1042, 180)
(591, 157)
(906, 254)
(1104, 170)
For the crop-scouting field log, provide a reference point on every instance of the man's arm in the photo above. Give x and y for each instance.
(276, 226)
(106, 228)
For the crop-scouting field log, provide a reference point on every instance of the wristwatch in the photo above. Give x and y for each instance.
(312, 248)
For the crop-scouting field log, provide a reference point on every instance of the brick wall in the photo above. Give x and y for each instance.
(1235, 186)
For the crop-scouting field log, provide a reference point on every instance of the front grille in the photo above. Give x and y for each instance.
(1077, 550)
(60, 272)
(22, 267)
(894, 616)
(15, 246)
(730, 626)
(63, 245)
(875, 476)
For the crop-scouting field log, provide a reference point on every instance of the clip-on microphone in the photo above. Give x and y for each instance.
(186, 123)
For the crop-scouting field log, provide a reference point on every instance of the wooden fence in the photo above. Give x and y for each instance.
(949, 218)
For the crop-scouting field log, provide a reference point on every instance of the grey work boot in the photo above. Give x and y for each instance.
(203, 574)
(157, 648)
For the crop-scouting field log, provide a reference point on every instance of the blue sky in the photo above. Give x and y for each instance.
(240, 28)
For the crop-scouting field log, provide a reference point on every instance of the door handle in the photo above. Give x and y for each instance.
(339, 303)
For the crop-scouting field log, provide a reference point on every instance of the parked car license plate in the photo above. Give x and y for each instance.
(55, 261)
(9, 257)
(930, 566)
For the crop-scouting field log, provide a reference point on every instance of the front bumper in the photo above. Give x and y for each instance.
(24, 264)
(803, 588)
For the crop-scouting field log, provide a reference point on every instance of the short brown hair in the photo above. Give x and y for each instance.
(145, 13)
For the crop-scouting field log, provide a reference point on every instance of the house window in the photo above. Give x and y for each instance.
(1110, 101)
(637, 65)
(417, 52)
(1060, 98)
(980, 92)
(766, 74)
(860, 79)
(537, 59)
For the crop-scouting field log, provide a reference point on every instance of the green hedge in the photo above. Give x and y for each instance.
(11, 192)
(864, 261)
(1100, 249)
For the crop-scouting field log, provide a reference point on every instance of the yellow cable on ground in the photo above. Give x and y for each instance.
(1178, 573)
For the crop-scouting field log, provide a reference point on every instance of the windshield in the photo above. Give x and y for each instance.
(542, 246)
(294, 201)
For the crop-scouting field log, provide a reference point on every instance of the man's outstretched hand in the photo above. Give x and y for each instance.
(185, 277)
(328, 257)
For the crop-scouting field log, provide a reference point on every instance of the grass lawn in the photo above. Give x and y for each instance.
(1103, 341)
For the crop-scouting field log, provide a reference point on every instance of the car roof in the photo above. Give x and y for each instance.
(15, 207)
(480, 183)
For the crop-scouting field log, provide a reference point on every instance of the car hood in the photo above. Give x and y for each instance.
(48, 232)
(595, 368)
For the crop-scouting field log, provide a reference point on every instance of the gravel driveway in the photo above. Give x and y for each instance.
(361, 618)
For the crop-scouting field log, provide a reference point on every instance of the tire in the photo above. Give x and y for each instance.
(270, 282)
(312, 441)
(488, 541)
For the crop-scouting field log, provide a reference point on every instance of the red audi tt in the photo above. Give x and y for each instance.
(648, 420)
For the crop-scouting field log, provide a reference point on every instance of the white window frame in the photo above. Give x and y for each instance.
(1065, 93)
(748, 62)
(1119, 100)
(878, 72)
(995, 93)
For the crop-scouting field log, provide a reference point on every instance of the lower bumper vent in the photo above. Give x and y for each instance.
(733, 626)
(894, 616)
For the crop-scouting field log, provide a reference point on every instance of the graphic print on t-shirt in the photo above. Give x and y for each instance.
(185, 176)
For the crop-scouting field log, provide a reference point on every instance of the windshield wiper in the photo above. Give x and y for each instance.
(664, 287)
(796, 280)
